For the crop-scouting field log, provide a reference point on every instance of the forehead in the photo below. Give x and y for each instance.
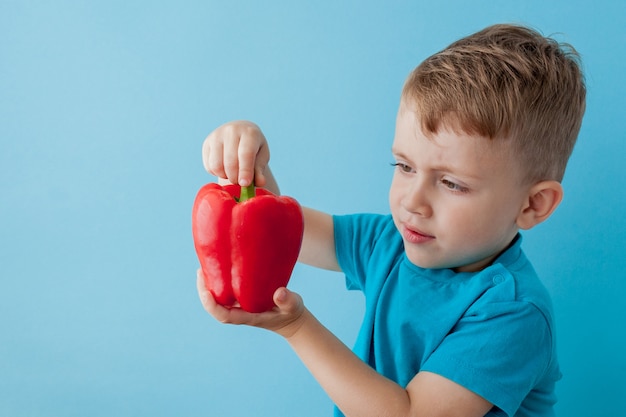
(450, 146)
(409, 129)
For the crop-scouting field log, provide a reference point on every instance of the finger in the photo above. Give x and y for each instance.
(262, 159)
(220, 313)
(212, 156)
(247, 155)
(231, 315)
(206, 151)
(205, 296)
(231, 160)
(252, 156)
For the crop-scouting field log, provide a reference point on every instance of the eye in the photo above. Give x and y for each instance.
(402, 167)
(452, 186)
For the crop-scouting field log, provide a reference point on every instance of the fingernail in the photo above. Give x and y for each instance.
(244, 182)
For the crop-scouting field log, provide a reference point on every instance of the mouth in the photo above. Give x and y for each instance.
(416, 236)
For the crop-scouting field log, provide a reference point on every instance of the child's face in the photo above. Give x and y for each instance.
(454, 198)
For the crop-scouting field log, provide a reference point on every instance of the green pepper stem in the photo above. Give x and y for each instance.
(246, 193)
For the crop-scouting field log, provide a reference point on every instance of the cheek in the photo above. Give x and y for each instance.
(465, 219)
(394, 195)
(481, 224)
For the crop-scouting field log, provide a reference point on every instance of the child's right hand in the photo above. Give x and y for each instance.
(237, 151)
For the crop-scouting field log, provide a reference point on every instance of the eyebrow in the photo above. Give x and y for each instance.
(441, 167)
(395, 152)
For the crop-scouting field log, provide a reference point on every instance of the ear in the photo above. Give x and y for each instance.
(543, 198)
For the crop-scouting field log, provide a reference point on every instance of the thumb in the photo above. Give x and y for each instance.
(287, 301)
(259, 175)
(260, 165)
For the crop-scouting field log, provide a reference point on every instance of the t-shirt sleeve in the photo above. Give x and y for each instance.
(360, 240)
(498, 351)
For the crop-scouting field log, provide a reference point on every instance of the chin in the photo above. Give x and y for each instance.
(429, 263)
(426, 263)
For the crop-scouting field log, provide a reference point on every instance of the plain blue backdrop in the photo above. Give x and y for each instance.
(103, 109)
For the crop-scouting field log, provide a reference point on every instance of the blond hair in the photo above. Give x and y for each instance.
(506, 81)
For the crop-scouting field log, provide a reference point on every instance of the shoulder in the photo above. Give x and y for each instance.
(363, 223)
(509, 326)
(528, 286)
(366, 246)
(518, 281)
(365, 230)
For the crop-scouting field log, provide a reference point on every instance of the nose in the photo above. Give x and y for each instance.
(417, 199)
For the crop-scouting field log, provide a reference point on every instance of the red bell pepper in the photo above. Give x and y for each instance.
(247, 243)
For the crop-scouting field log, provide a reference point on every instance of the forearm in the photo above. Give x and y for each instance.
(354, 387)
(318, 243)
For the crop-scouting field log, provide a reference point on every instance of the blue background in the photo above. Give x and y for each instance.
(103, 110)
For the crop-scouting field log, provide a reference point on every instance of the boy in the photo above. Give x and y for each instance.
(457, 323)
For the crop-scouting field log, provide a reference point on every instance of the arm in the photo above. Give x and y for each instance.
(318, 242)
(356, 388)
(238, 153)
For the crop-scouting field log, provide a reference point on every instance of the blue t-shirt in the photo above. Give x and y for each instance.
(490, 331)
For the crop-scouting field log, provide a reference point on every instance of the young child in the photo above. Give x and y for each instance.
(457, 322)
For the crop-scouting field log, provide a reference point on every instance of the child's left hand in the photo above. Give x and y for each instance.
(284, 319)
